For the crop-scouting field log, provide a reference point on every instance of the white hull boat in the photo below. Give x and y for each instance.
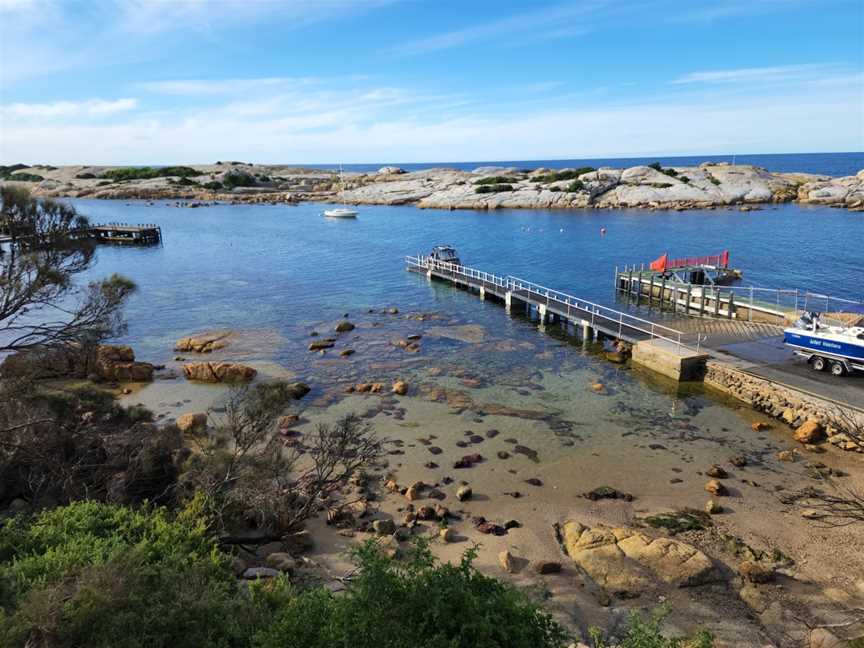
(340, 212)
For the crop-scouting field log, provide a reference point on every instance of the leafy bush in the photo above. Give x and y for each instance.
(6, 171)
(85, 176)
(420, 603)
(672, 173)
(25, 177)
(571, 174)
(576, 185)
(145, 173)
(661, 185)
(213, 185)
(493, 188)
(646, 633)
(492, 180)
(104, 183)
(714, 180)
(99, 575)
(234, 179)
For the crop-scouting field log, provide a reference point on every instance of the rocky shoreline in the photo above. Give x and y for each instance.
(707, 186)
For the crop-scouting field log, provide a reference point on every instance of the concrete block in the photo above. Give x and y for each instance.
(670, 360)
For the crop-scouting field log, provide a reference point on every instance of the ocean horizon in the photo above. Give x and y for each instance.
(833, 164)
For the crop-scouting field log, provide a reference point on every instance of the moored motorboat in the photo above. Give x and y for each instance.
(839, 349)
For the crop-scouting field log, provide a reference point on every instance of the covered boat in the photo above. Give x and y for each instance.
(445, 254)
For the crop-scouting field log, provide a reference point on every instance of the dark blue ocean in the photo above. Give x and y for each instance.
(833, 164)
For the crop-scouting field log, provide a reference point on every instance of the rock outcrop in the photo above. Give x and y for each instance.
(706, 186)
(204, 343)
(622, 559)
(218, 372)
(117, 364)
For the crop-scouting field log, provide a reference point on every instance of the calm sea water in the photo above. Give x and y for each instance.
(286, 267)
(833, 164)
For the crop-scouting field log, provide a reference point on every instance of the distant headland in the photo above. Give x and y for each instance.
(708, 185)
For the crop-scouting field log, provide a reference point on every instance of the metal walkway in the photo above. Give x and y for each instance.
(551, 303)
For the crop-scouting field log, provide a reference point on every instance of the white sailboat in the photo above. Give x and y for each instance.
(344, 211)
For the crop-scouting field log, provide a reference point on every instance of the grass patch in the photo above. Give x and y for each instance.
(680, 521)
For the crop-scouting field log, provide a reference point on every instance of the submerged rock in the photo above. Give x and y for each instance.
(218, 372)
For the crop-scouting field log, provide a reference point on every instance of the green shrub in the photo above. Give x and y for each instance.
(213, 185)
(661, 185)
(104, 183)
(85, 176)
(234, 179)
(25, 177)
(683, 520)
(555, 176)
(555, 189)
(6, 171)
(493, 188)
(714, 180)
(672, 173)
(576, 185)
(100, 575)
(492, 180)
(419, 603)
(145, 173)
(646, 633)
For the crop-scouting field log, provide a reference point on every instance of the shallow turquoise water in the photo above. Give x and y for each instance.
(284, 267)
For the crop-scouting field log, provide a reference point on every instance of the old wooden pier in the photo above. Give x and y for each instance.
(110, 233)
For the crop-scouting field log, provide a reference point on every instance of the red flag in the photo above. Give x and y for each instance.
(660, 264)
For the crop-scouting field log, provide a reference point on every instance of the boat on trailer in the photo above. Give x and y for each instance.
(838, 349)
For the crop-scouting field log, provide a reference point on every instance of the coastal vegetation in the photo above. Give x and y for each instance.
(105, 575)
(567, 174)
(25, 177)
(493, 180)
(144, 173)
(493, 188)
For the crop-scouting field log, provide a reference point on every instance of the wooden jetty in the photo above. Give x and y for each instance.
(126, 234)
(773, 306)
(108, 233)
(674, 353)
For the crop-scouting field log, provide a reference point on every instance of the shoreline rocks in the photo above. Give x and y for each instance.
(706, 186)
(218, 372)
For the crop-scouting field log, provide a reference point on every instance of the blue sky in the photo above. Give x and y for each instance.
(323, 81)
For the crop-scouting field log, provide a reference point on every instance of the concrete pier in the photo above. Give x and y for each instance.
(671, 360)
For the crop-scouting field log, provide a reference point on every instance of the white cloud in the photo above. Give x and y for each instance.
(66, 109)
(762, 74)
(564, 19)
(363, 126)
(219, 86)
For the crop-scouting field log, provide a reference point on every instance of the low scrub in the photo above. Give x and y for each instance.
(25, 177)
(576, 185)
(100, 575)
(570, 174)
(146, 173)
(493, 188)
(672, 173)
(213, 185)
(493, 180)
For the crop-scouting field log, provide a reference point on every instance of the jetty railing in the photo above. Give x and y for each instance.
(595, 314)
